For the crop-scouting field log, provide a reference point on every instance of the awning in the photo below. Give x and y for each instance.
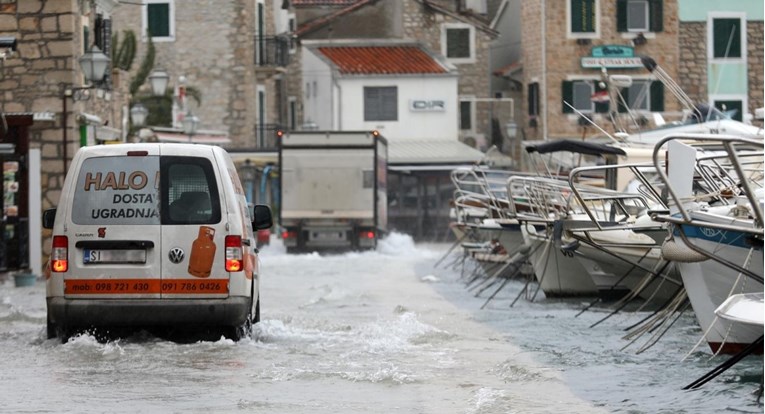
(432, 151)
(199, 138)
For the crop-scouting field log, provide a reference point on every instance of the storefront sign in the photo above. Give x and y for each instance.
(422, 105)
(612, 57)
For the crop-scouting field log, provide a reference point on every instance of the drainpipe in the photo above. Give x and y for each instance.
(544, 71)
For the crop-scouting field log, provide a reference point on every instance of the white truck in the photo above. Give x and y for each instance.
(333, 190)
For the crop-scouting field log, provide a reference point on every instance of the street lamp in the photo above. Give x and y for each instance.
(158, 79)
(138, 114)
(190, 122)
(94, 65)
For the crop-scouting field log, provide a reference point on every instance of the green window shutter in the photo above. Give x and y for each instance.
(601, 107)
(582, 16)
(465, 116)
(621, 15)
(656, 15)
(568, 96)
(621, 105)
(577, 16)
(159, 19)
(657, 96)
(727, 31)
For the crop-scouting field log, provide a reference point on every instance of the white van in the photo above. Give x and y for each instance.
(153, 236)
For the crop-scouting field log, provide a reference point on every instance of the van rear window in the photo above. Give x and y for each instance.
(117, 190)
(146, 190)
(190, 191)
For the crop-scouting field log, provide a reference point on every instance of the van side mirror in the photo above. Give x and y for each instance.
(48, 218)
(262, 218)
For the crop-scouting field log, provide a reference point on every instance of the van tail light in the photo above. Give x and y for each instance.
(234, 254)
(59, 255)
(289, 234)
(367, 234)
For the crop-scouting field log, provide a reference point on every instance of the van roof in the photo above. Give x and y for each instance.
(151, 147)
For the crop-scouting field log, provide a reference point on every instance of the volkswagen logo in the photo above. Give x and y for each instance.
(176, 255)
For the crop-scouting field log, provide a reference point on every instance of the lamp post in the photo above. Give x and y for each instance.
(511, 128)
(93, 65)
(138, 114)
(190, 122)
(159, 80)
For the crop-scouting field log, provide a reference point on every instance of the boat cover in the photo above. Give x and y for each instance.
(578, 147)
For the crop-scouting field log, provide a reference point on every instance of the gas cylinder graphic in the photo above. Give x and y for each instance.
(202, 252)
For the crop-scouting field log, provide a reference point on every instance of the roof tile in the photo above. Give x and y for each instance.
(366, 60)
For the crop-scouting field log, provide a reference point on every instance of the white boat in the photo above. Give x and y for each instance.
(718, 247)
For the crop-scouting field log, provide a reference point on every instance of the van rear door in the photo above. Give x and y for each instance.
(193, 229)
(114, 227)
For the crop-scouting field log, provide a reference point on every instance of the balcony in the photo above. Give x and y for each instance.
(272, 51)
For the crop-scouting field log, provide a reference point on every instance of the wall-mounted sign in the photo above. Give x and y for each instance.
(613, 51)
(424, 105)
(612, 56)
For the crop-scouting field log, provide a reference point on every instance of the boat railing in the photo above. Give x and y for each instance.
(618, 209)
(735, 149)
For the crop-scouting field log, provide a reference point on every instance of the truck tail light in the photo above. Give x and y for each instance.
(369, 234)
(233, 253)
(289, 234)
(59, 255)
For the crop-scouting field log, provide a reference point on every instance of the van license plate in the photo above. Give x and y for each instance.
(113, 256)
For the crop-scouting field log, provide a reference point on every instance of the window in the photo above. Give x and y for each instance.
(639, 16)
(533, 99)
(457, 42)
(732, 107)
(466, 115)
(726, 38)
(583, 16)
(579, 94)
(159, 19)
(117, 190)
(643, 95)
(190, 194)
(292, 115)
(381, 103)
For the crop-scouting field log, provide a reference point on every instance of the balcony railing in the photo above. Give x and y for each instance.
(265, 136)
(271, 51)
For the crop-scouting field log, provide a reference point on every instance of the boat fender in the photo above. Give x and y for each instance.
(676, 252)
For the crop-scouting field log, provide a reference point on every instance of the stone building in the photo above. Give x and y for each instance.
(47, 109)
(721, 54)
(449, 28)
(571, 48)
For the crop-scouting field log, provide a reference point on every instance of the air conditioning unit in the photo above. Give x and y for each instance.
(477, 6)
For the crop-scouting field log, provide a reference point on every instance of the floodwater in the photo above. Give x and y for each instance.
(374, 332)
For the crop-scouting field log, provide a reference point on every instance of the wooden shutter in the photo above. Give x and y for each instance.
(657, 97)
(568, 96)
(159, 19)
(621, 104)
(621, 15)
(722, 29)
(656, 15)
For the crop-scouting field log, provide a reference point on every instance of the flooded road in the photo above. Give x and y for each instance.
(375, 332)
(339, 334)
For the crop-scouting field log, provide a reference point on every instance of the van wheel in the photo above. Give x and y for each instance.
(50, 329)
(256, 318)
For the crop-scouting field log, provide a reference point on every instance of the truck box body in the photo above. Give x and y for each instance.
(333, 186)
